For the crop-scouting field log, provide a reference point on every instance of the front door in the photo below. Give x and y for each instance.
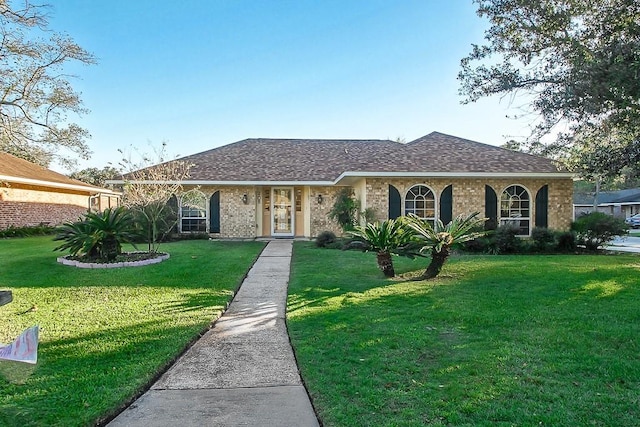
(282, 217)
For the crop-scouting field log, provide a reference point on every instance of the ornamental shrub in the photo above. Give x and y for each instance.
(597, 228)
(506, 240)
(543, 239)
(325, 239)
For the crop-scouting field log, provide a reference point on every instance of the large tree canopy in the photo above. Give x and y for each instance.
(578, 60)
(35, 93)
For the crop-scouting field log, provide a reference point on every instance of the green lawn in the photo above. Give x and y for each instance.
(495, 340)
(105, 333)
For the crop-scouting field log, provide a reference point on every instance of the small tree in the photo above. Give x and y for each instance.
(595, 229)
(439, 239)
(384, 238)
(148, 189)
(36, 94)
(345, 209)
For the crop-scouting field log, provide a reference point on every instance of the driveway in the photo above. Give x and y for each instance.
(625, 244)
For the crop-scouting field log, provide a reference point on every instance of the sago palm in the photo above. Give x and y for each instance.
(439, 238)
(384, 238)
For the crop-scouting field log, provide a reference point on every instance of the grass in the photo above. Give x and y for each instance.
(105, 334)
(494, 340)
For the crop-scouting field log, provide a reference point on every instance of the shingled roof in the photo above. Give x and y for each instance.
(319, 160)
(15, 169)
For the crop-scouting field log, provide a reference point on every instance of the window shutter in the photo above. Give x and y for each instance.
(446, 205)
(395, 203)
(214, 213)
(542, 207)
(490, 208)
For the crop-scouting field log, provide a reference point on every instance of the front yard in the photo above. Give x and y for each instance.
(105, 333)
(496, 340)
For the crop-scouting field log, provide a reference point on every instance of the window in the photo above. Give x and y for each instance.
(515, 208)
(193, 212)
(421, 202)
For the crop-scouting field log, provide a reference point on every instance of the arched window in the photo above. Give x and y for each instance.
(420, 201)
(193, 212)
(515, 209)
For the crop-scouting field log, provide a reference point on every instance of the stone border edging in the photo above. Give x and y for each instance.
(79, 264)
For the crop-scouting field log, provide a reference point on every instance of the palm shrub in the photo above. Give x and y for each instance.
(98, 235)
(439, 239)
(385, 238)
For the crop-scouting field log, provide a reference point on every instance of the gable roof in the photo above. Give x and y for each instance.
(331, 161)
(17, 170)
(631, 195)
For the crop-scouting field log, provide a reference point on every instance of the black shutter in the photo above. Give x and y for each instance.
(490, 208)
(542, 207)
(395, 203)
(446, 205)
(214, 213)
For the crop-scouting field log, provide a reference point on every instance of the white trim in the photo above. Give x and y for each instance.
(231, 183)
(550, 175)
(93, 190)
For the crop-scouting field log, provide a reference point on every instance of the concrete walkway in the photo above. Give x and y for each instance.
(240, 373)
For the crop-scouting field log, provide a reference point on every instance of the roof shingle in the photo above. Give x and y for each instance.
(301, 160)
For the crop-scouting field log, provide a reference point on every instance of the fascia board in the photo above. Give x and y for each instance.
(41, 183)
(549, 175)
(229, 183)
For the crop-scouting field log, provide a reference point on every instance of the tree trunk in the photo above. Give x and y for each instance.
(385, 263)
(437, 261)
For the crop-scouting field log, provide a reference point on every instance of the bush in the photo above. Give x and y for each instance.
(37, 230)
(345, 209)
(543, 240)
(325, 239)
(566, 241)
(506, 240)
(595, 229)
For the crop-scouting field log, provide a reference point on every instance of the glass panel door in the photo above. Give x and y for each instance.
(282, 212)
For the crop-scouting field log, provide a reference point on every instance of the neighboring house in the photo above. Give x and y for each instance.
(32, 195)
(621, 203)
(286, 187)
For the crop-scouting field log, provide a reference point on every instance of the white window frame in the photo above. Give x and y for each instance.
(406, 199)
(515, 207)
(200, 213)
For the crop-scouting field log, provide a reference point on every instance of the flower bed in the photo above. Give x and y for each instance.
(127, 259)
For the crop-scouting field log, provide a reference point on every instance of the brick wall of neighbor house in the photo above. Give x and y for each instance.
(25, 205)
(468, 195)
(319, 212)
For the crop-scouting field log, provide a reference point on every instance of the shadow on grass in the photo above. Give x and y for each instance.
(78, 380)
(513, 340)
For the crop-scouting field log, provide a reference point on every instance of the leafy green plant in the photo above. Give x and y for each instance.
(543, 239)
(439, 239)
(506, 240)
(325, 239)
(595, 229)
(384, 238)
(37, 230)
(98, 235)
(345, 209)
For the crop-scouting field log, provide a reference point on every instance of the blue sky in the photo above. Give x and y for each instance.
(203, 73)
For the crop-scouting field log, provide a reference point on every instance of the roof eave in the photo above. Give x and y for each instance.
(547, 175)
(42, 183)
